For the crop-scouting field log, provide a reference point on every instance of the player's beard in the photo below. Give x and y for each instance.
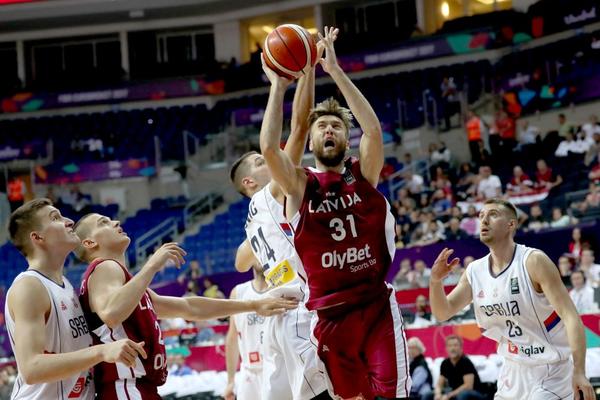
(331, 159)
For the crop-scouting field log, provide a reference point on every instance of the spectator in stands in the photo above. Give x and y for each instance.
(594, 174)
(422, 380)
(212, 290)
(4, 213)
(569, 147)
(191, 289)
(591, 155)
(577, 244)
(474, 128)
(6, 385)
(16, 192)
(441, 203)
(401, 279)
(193, 273)
(565, 267)
(454, 232)
(179, 368)
(591, 127)
(560, 219)
(484, 156)
(458, 377)
(520, 183)
(564, 126)
(422, 317)
(536, 221)
(590, 268)
(414, 182)
(51, 195)
(489, 185)
(76, 199)
(582, 294)
(591, 200)
(545, 177)
(470, 224)
(450, 100)
(440, 155)
(507, 130)
(419, 277)
(464, 180)
(527, 134)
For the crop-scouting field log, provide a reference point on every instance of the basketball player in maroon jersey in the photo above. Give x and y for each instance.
(344, 235)
(119, 305)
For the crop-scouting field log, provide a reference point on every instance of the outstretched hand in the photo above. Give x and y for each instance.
(441, 268)
(272, 75)
(267, 307)
(326, 42)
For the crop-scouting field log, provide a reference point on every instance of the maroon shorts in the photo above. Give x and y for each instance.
(364, 349)
(127, 389)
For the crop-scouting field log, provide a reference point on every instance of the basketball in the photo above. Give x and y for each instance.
(290, 50)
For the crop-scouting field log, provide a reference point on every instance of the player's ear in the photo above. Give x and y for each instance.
(247, 182)
(89, 243)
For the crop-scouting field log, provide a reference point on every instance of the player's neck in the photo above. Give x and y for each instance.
(502, 254)
(324, 168)
(49, 264)
(111, 255)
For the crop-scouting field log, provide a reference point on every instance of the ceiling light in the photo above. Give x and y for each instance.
(267, 29)
(445, 9)
(491, 2)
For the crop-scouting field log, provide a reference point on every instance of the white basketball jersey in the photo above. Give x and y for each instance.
(250, 328)
(509, 310)
(66, 331)
(272, 241)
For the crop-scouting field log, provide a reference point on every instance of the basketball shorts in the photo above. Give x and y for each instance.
(248, 384)
(290, 364)
(363, 349)
(535, 382)
(130, 389)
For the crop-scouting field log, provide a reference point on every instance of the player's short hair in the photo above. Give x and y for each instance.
(331, 107)
(23, 221)
(506, 204)
(454, 337)
(82, 230)
(239, 170)
(415, 341)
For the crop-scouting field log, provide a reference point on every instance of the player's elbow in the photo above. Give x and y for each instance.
(31, 374)
(111, 319)
(242, 266)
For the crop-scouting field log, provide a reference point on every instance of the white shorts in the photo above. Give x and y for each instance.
(290, 368)
(535, 382)
(248, 384)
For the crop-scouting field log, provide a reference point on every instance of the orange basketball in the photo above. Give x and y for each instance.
(290, 50)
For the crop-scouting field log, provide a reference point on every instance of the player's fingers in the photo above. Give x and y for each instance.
(576, 392)
(139, 347)
(441, 256)
(589, 393)
(454, 262)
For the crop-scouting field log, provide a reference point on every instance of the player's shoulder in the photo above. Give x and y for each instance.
(30, 292)
(106, 270)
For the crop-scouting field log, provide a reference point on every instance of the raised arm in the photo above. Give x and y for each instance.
(371, 142)
(445, 307)
(113, 299)
(283, 170)
(28, 303)
(545, 277)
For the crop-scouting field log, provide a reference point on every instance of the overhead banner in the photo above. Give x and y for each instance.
(97, 171)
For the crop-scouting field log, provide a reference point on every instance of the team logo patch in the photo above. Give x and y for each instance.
(63, 306)
(514, 285)
(348, 177)
(512, 348)
(481, 295)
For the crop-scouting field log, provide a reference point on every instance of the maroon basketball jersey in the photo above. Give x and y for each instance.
(141, 325)
(344, 235)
